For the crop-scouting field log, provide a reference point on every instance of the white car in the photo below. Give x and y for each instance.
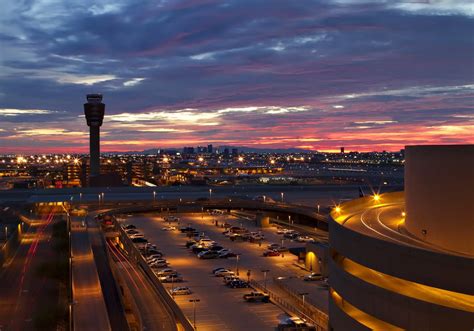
(165, 272)
(156, 260)
(170, 279)
(138, 235)
(158, 265)
(223, 273)
(305, 239)
(169, 228)
(181, 290)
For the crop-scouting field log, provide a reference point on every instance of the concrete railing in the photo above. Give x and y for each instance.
(309, 313)
(172, 308)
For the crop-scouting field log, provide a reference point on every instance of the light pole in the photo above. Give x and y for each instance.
(237, 264)
(103, 197)
(289, 219)
(80, 197)
(282, 195)
(264, 199)
(154, 196)
(6, 233)
(210, 193)
(303, 295)
(194, 311)
(318, 208)
(99, 199)
(265, 279)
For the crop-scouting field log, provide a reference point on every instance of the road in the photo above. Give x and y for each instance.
(153, 315)
(111, 295)
(222, 308)
(20, 286)
(89, 312)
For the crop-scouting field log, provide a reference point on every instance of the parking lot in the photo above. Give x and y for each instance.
(220, 307)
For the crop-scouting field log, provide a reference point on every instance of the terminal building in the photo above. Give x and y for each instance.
(405, 260)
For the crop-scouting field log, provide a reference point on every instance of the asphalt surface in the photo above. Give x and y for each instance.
(222, 308)
(111, 295)
(20, 287)
(89, 310)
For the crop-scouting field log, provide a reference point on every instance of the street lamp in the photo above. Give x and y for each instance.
(303, 295)
(99, 199)
(264, 199)
(6, 233)
(154, 196)
(318, 208)
(210, 193)
(265, 279)
(80, 197)
(282, 195)
(237, 264)
(194, 311)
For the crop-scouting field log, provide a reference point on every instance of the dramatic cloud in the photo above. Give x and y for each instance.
(367, 75)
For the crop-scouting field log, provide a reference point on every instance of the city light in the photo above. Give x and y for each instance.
(376, 197)
(337, 209)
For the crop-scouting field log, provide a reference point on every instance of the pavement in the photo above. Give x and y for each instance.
(89, 310)
(221, 308)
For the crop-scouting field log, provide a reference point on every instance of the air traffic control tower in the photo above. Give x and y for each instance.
(94, 110)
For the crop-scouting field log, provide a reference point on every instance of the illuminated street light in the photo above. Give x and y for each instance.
(210, 193)
(318, 208)
(241, 158)
(376, 197)
(272, 161)
(337, 209)
(404, 214)
(201, 159)
(282, 195)
(154, 196)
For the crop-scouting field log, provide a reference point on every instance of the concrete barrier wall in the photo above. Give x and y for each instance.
(8, 249)
(410, 263)
(402, 311)
(168, 302)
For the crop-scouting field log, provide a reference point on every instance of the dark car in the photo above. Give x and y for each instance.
(139, 240)
(215, 248)
(187, 229)
(271, 253)
(291, 235)
(228, 254)
(129, 227)
(238, 284)
(199, 249)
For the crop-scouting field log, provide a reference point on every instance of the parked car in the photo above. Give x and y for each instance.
(225, 272)
(132, 231)
(198, 249)
(137, 235)
(230, 278)
(152, 251)
(217, 269)
(155, 259)
(282, 230)
(208, 255)
(305, 239)
(128, 226)
(291, 235)
(313, 276)
(273, 246)
(256, 296)
(166, 271)
(170, 279)
(187, 229)
(215, 248)
(271, 253)
(181, 290)
(169, 228)
(238, 283)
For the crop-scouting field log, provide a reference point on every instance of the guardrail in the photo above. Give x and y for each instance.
(318, 318)
(170, 305)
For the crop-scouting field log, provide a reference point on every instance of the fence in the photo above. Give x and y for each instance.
(295, 306)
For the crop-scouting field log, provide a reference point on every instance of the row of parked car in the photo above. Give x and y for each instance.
(155, 260)
(205, 248)
(294, 235)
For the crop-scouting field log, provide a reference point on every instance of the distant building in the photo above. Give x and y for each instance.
(201, 149)
(342, 150)
(235, 152)
(209, 149)
(188, 150)
(226, 153)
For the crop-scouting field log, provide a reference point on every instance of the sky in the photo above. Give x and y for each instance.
(316, 75)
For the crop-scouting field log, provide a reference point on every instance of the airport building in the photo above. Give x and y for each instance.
(405, 260)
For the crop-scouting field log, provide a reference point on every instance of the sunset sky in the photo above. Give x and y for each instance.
(367, 75)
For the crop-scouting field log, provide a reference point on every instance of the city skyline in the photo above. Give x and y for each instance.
(311, 75)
